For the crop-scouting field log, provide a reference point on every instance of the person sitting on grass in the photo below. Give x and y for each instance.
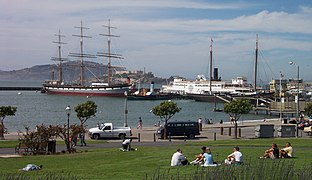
(287, 152)
(200, 157)
(178, 159)
(208, 158)
(235, 158)
(272, 153)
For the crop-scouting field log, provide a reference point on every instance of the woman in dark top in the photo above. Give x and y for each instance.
(272, 153)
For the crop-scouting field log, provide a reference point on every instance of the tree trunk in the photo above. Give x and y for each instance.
(165, 130)
(235, 129)
(1, 131)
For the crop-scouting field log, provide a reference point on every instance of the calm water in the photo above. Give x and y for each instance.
(35, 108)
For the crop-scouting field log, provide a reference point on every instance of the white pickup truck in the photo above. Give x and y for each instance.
(109, 131)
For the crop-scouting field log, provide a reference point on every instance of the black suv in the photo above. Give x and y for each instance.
(179, 128)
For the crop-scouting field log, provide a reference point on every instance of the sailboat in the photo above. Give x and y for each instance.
(100, 88)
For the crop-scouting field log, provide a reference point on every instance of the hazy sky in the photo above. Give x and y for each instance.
(167, 37)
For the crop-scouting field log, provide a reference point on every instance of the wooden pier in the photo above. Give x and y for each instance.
(20, 88)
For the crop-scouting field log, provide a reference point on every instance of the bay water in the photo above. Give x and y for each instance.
(35, 108)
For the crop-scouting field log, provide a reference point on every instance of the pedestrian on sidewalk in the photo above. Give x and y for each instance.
(200, 123)
(139, 123)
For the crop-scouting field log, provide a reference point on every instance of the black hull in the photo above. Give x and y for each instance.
(154, 97)
(206, 98)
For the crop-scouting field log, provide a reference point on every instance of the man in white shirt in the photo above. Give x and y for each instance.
(235, 158)
(178, 159)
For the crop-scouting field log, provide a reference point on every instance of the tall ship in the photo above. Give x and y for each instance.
(101, 87)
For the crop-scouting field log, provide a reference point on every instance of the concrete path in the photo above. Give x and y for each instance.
(145, 136)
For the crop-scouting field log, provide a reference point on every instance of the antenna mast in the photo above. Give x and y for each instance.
(256, 63)
(210, 78)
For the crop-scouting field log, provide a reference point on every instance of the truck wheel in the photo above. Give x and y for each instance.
(122, 136)
(191, 136)
(96, 136)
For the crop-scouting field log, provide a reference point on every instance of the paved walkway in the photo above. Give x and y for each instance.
(145, 136)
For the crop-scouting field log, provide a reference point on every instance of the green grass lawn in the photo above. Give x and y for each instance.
(110, 163)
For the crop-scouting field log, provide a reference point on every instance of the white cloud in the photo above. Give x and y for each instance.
(150, 39)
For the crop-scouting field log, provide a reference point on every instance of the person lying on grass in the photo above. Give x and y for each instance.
(31, 167)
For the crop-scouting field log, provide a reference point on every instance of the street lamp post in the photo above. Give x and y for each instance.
(297, 98)
(68, 111)
(126, 110)
(280, 95)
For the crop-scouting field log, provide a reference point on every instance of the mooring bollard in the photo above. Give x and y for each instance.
(215, 136)
(239, 132)
(154, 137)
(139, 137)
(221, 130)
(184, 137)
(230, 131)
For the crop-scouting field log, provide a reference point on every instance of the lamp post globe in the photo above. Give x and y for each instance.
(298, 93)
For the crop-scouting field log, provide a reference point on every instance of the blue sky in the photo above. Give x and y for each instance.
(167, 37)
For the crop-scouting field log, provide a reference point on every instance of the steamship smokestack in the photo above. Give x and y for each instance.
(215, 74)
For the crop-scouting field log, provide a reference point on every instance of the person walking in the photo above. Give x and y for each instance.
(139, 123)
(200, 123)
(82, 139)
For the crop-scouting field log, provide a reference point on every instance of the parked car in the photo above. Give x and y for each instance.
(179, 128)
(107, 130)
(308, 130)
(302, 124)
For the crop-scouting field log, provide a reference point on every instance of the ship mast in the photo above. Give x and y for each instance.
(81, 55)
(59, 59)
(210, 79)
(108, 54)
(256, 64)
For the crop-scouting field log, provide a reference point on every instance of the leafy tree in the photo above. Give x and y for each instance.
(37, 141)
(165, 110)
(308, 109)
(236, 108)
(5, 111)
(85, 111)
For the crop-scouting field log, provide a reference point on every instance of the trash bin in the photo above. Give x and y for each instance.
(264, 130)
(52, 146)
(286, 131)
(285, 120)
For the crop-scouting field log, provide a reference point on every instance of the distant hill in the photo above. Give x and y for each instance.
(40, 73)
(71, 73)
